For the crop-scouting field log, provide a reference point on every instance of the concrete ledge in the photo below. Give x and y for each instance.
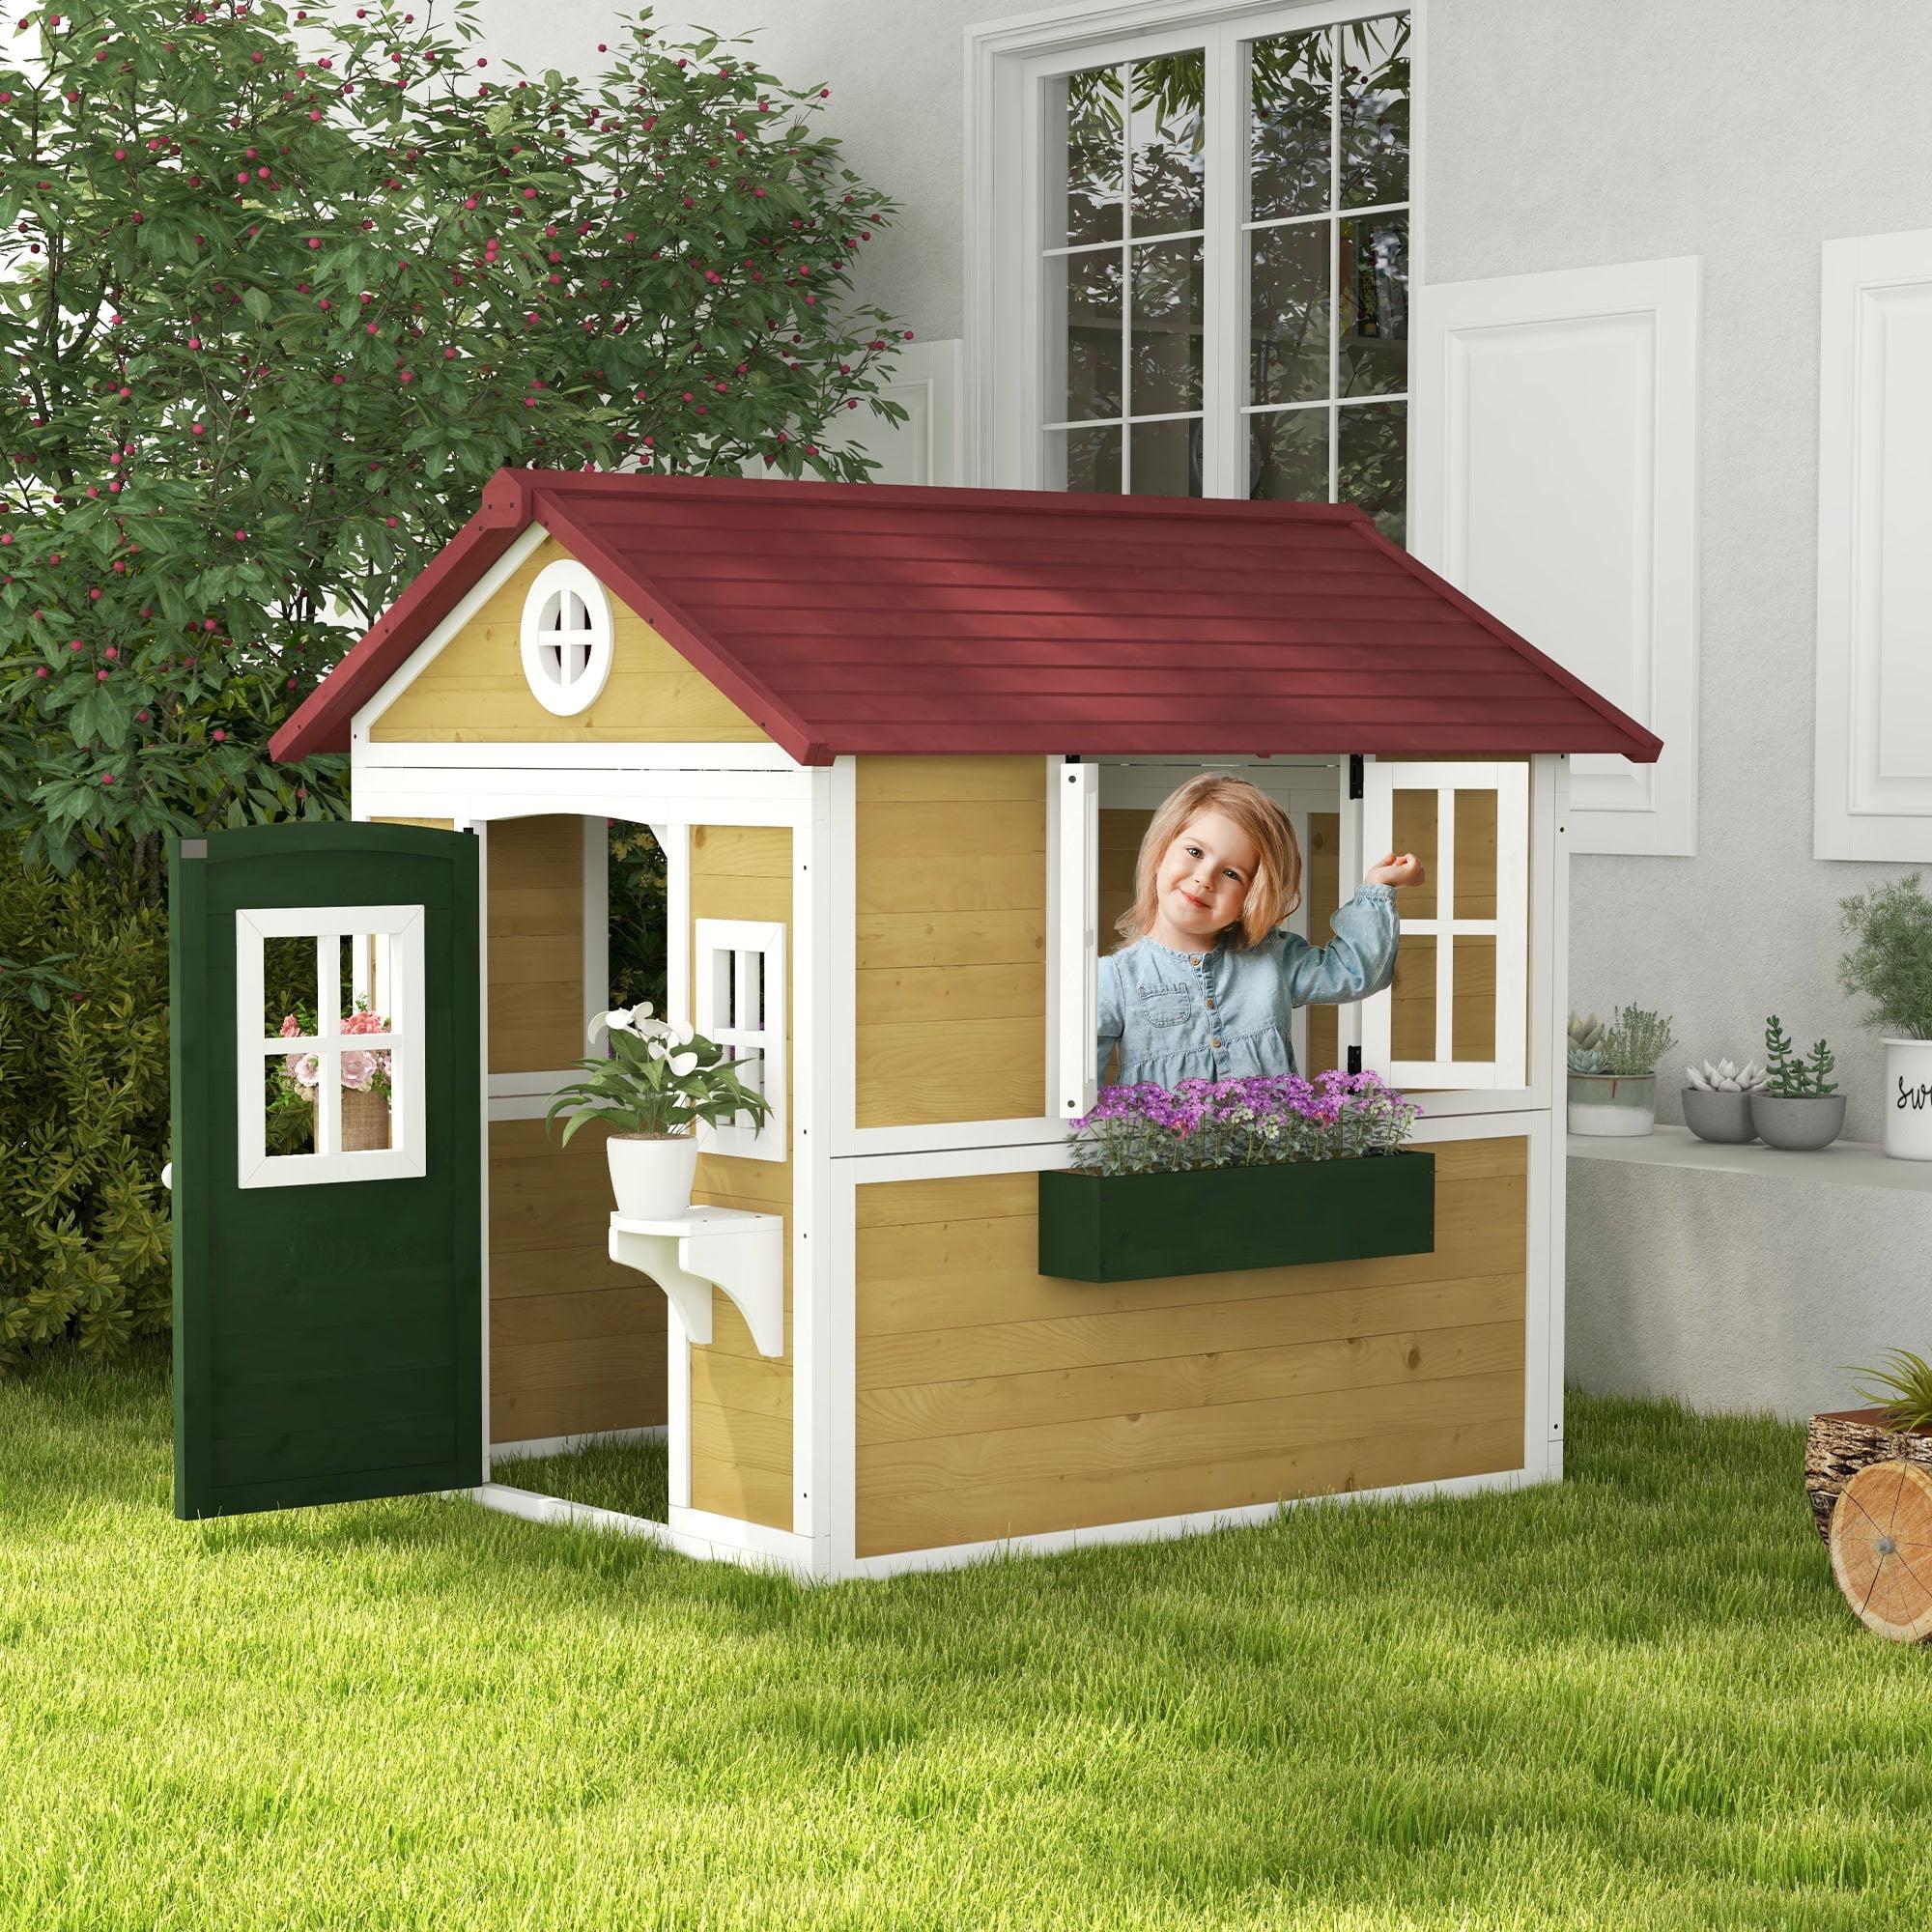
(1742, 1277)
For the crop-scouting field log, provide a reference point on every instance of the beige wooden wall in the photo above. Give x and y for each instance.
(950, 910)
(994, 1402)
(741, 1402)
(577, 1343)
(472, 692)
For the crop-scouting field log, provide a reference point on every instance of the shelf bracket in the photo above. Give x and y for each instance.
(712, 1247)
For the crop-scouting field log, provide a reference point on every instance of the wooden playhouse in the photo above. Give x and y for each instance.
(898, 746)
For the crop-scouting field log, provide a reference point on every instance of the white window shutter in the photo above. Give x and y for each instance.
(1555, 482)
(1429, 910)
(1077, 936)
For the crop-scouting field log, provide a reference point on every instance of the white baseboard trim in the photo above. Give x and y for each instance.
(569, 1445)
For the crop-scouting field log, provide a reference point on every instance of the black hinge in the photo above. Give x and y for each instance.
(1355, 1060)
(1355, 791)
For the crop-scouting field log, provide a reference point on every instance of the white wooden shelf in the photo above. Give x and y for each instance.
(712, 1247)
(1842, 1164)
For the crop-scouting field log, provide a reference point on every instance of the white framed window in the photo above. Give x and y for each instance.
(328, 1034)
(1194, 244)
(566, 637)
(739, 978)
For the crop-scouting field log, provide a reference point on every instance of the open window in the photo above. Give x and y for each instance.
(1457, 1014)
(739, 979)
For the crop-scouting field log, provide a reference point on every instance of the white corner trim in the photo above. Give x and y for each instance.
(1872, 796)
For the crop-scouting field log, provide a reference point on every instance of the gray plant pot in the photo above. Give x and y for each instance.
(1801, 1125)
(1719, 1116)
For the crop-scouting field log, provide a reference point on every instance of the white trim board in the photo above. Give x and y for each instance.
(1554, 431)
(1873, 751)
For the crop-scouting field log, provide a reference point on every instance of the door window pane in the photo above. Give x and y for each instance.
(1373, 107)
(1166, 327)
(1167, 458)
(1287, 456)
(1289, 124)
(1085, 459)
(1371, 345)
(1094, 315)
(1288, 301)
(1166, 140)
(1094, 106)
(1371, 463)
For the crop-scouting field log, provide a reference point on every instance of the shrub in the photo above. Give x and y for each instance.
(84, 1225)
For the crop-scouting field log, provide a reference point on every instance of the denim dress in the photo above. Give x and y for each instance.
(1224, 1015)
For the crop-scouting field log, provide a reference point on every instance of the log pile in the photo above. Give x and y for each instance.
(1840, 1442)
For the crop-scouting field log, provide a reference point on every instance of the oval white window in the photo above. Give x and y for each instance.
(566, 637)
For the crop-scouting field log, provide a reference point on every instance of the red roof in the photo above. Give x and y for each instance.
(876, 617)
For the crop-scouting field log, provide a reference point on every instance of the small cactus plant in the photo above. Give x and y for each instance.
(1726, 1078)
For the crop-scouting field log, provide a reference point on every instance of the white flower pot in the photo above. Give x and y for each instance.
(1908, 1099)
(651, 1174)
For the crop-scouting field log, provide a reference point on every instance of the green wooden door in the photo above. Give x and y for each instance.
(328, 1166)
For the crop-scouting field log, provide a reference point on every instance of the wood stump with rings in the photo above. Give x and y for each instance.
(1881, 1546)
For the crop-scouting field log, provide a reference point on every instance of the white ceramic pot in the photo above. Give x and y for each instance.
(1612, 1103)
(1908, 1099)
(651, 1174)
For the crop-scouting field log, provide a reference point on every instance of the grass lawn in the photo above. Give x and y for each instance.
(1633, 1701)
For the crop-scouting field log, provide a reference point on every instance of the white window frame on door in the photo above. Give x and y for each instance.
(405, 1158)
(1510, 927)
(1008, 67)
(730, 947)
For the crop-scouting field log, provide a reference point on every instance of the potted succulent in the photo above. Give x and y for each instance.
(1892, 965)
(1716, 1101)
(1614, 1070)
(656, 1085)
(1840, 1442)
(1215, 1174)
(1798, 1107)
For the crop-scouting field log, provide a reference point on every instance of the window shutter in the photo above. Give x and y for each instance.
(1457, 1014)
(1077, 937)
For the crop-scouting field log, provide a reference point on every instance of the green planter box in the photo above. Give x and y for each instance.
(1130, 1227)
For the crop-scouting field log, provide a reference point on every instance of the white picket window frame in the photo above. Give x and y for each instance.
(725, 979)
(1510, 927)
(567, 662)
(403, 987)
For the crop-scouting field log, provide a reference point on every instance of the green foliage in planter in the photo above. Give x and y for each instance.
(1791, 1077)
(84, 1226)
(1635, 1040)
(278, 301)
(1891, 962)
(1909, 1379)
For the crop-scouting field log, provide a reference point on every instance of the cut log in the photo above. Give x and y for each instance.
(1841, 1442)
(1881, 1549)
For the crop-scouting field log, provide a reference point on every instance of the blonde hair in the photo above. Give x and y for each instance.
(1275, 890)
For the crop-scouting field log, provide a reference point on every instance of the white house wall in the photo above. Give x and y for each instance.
(1556, 138)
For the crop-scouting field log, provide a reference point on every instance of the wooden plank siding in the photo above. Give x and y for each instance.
(473, 691)
(741, 1402)
(996, 1401)
(951, 940)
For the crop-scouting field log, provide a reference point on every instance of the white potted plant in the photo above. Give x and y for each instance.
(658, 1083)
(1891, 966)
(1798, 1108)
(1612, 1070)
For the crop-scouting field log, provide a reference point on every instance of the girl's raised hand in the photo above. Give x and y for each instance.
(1394, 870)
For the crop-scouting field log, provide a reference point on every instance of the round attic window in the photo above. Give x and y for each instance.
(566, 637)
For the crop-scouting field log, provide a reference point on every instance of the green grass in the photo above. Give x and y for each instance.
(1630, 1702)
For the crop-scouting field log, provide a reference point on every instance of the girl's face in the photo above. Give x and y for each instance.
(1203, 880)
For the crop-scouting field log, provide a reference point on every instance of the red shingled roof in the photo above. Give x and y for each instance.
(872, 617)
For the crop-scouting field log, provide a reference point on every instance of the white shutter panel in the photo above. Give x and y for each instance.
(1429, 910)
(1076, 937)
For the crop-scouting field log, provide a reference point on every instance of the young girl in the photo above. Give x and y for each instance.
(1206, 988)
